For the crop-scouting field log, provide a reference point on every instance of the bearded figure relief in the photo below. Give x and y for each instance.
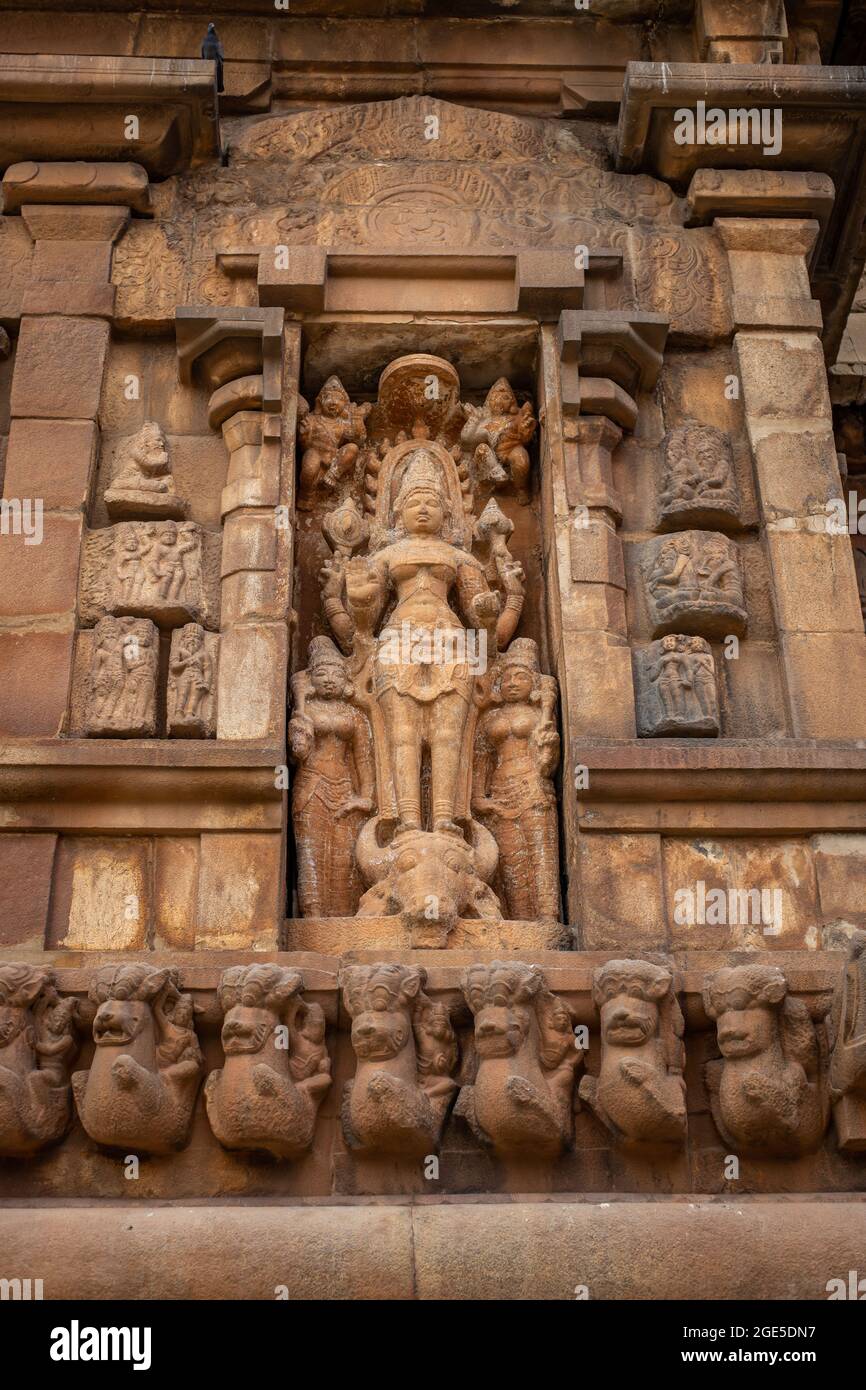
(424, 600)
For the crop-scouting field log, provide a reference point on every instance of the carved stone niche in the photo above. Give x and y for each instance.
(406, 1052)
(167, 571)
(124, 663)
(37, 1047)
(277, 1068)
(521, 1101)
(142, 484)
(768, 1091)
(675, 683)
(192, 673)
(694, 585)
(639, 1093)
(698, 485)
(140, 1090)
(848, 1060)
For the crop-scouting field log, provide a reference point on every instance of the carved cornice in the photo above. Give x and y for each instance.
(75, 106)
(138, 786)
(823, 131)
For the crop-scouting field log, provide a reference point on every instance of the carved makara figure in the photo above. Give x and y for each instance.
(331, 436)
(848, 1058)
(142, 485)
(677, 688)
(499, 432)
(698, 486)
(37, 1047)
(329, 739)
(695, 585)
(516, 751)
(141, 1087)
(639, 1093)
(522, 1098)
(768, 1092)
(122, 682)
(192, 682)
(277, 1067)
(407, 1052)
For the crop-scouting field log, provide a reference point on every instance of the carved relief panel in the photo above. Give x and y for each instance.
(698, 485)
(124, 662)
(675, 686)
(167, 571)
(694, 585)
(423, 731)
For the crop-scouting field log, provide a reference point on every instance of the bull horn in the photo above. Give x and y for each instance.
(374, 860)
(485, 850)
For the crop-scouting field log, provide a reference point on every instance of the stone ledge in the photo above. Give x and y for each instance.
(618, 1248)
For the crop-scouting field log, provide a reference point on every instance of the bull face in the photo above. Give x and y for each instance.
(379, 1033)
(119, 1021)
(628, 1020)
(500, 1030)
(246, 1029)
(430, 879)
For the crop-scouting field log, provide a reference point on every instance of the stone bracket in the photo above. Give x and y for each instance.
(229, 343)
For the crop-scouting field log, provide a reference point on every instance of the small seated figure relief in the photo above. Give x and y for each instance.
(140, 1090)
(332, 435)
(694, 584)
(192, 670)
(333, 790)
(406, 1053)
(639, 1093)
(124, 663)
(516, 752)
(142, 485)
(768, 1091)
(848, 1058)
(158, 571)
(277, 1069)
(522, 1098)
(698, 483)
(676, 689)
(497, 434)
(37, 1048)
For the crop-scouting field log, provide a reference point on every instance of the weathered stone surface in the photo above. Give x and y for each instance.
(59, 368)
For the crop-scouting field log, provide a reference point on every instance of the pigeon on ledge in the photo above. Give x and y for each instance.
(213, 49)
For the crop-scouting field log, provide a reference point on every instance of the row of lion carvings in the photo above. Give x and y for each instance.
(771, 1088)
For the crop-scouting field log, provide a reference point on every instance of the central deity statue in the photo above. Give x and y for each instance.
(420, 618)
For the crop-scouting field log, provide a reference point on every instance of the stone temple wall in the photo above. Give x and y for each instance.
(432, 739)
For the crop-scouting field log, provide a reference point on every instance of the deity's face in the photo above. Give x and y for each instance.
(423, 513)
(328, 679)
(168, 538)
(332, 404)
(516, 684)
(500, 400)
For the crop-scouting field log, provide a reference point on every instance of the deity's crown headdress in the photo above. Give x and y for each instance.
(522, 652)
(423, 474)
(334, 387)
(322, 652)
